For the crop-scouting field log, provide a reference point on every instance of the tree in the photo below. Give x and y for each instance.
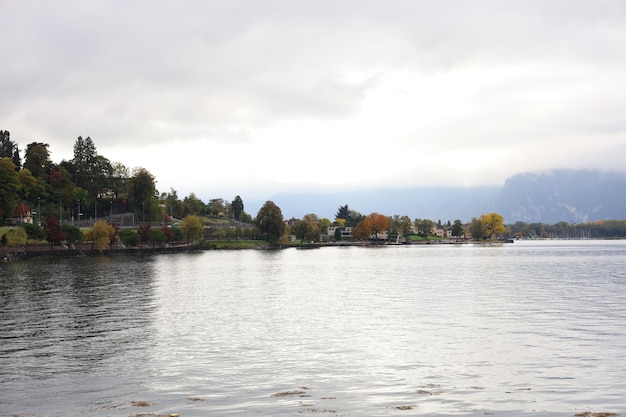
(53, 230)
(192, 228)
(457, 229)
(157, 237)
(37, 159)
(144, 232)
(9, 149)
(84, 162)
(129, 237)
(494, 224)
(101, 235)
(9, 187)
(270, 221)
(237, 207)
(360, 231)
(342, 212)
(167, 231)
(424, 226)
(33, 231)
(404, 225)
(477, 229)
(376, 223)
(16, 236)
(73, 233)
(307, 228)
(141, 193)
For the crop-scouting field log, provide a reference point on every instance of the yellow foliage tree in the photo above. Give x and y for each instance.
(192, 228)
(493, 223)
(100, 235)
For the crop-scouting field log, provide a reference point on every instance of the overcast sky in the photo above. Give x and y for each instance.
(250, 97)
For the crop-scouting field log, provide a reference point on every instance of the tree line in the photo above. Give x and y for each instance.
(92, 186)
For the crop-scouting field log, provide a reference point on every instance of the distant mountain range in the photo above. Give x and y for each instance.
(573, 196)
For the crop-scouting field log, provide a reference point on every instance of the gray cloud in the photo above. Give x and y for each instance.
(520, 77)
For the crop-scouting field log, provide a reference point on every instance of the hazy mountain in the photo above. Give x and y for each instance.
(573, 196)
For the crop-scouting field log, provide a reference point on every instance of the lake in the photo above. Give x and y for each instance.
(529, 328)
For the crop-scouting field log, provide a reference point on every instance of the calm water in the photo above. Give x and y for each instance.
(530, 328)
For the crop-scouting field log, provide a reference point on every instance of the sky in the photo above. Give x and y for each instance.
(253, 98)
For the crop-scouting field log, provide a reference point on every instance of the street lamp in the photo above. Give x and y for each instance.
(39, 211)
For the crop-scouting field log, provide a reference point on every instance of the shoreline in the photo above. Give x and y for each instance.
(38, 251)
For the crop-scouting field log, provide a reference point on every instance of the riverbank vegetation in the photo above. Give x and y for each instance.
(91, 203)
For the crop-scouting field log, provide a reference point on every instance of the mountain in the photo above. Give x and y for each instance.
(573, 196)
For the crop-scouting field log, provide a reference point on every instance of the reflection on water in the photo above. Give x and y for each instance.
(531, 328)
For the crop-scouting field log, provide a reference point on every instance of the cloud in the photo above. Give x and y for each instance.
(222, 96)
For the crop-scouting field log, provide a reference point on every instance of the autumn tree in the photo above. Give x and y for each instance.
(376, 223)
(360, 231)
(192, 228)
(144, 232)
(270, 221)
(493, 223)
(101, 235)
(54, 232)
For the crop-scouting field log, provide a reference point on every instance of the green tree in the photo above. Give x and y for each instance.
(141, 193)
(404, 226)
(424, 227)
(157, 237)
(83, 163)
(192, 228)
(73, 233)
(342, 212)
(307, 229)
(477, 229)
(37, 159)
(270, 221)
(33, 231)
(9, 187)
(9, 149)
(129, 237)
(457, 229)
(237, 207)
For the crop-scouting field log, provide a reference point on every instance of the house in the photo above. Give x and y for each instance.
(22, 214)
